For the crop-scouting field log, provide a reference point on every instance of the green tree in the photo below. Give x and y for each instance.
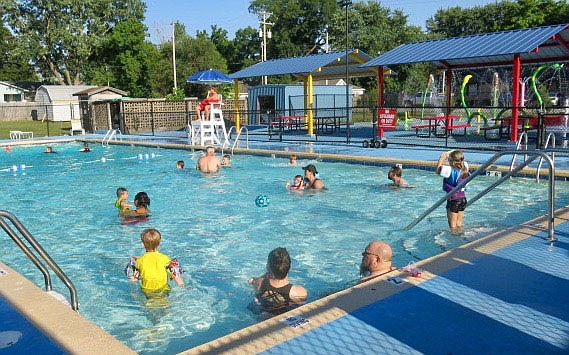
(15, 66)
(192, 55)
(61, 35)
(124, 60)
(376, 29)
(500, 16)
(299, 25)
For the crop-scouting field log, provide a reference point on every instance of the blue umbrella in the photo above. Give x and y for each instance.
(209, 77)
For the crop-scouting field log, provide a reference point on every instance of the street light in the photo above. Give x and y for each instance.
(345, 4)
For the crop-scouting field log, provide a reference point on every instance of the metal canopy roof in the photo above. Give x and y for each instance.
(535, 45)
(321, 66)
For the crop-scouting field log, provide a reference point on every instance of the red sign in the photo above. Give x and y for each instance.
(387, 118)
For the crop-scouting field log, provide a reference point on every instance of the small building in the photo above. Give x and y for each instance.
(57, 103)
(94, 94)
(288, 100)
(11, 93)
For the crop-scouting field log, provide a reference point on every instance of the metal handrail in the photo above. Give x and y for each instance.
(482, 168)
(550, 137)
(244, 128)
(522, 140)
(110, 133)
(38, 248)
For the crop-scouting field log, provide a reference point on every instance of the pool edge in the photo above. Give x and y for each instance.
(267, 334)
(72, 332)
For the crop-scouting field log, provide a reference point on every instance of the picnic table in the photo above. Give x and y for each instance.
(17, 135)
(290, 122)
(437, 124)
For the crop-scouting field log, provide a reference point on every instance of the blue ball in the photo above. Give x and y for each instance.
(262, 201)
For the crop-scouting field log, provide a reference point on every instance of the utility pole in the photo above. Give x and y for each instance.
(174, 54)
(264, 33)
(345, 4)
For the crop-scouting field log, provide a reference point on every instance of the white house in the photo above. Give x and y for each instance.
(11, 93)
(57, 103)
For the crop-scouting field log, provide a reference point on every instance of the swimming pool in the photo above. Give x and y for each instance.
(213, 226)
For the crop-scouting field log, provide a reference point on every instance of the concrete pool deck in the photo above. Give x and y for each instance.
(466, 300)
(504, 293)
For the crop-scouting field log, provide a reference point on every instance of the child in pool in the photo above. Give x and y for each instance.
(453, 175)
(297, 184)
(154, 268)
(122, 200)
(394, 175)
(141, 202)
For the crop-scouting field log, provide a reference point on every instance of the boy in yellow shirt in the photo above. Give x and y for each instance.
(154, 268)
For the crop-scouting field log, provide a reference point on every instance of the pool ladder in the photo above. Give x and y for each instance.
(111, 133)
(5, 215)
(532, 155)
(523, 145)
(237, 142)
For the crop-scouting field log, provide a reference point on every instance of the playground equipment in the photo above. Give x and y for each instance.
(470, 115)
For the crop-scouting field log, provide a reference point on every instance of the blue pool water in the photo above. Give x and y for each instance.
(211, 223)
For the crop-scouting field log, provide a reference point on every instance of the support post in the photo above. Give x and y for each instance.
(515, 97)
(380, 98)
(236, 103)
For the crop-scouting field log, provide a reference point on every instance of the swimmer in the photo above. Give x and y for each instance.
(292, 159)
(454, 175)
(297, 184)
(48, 150)
(226, 160)
(8, 149)
(311, 181)
(122, 200)
(154, 268)
(394, 175)
(86, 148)
(209, 163)
(180, 164)
(141, 202)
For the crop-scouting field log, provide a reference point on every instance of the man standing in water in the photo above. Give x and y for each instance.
(209, 163)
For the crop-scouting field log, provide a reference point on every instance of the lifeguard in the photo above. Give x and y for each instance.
(212, 97)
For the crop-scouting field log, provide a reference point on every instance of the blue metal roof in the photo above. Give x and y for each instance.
(539, 45)
(321, 66)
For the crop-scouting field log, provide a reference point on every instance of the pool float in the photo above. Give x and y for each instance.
(131, 271)
(174, 269)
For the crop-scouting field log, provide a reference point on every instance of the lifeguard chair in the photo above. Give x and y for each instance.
(210, 132)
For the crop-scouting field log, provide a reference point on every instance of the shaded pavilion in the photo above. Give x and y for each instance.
(308, 68)
(541, 45)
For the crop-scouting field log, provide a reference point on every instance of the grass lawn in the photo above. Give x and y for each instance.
(39, 128)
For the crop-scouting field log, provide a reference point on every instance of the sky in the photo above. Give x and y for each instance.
(232, 15)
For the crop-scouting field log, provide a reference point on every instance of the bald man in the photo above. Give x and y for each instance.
(209, 163)
(376, 260)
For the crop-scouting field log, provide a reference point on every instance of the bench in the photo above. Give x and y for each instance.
(422, 126)
(503, 131)
(21, 135)
(458, 126)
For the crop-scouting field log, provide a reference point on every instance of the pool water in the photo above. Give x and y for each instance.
(212, 225)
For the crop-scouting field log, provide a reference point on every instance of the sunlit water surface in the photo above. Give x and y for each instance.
(211, 223)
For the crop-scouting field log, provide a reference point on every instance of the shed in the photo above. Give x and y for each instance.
(11, 93)
(288, 100)
(94, 94)
(57, 103)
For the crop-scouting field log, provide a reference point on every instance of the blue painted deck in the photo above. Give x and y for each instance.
(513, 300)
(31, 341)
